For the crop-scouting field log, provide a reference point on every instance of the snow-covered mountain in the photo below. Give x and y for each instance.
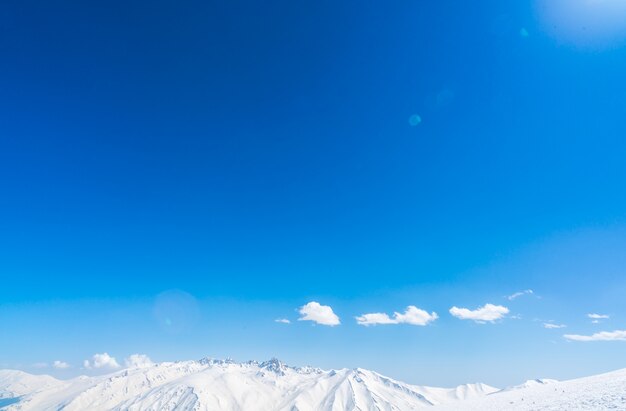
(271, 385)
(226, 385)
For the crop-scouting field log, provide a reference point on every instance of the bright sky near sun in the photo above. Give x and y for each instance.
(432, 190)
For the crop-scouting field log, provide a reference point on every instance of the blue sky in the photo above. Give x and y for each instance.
(176, 177)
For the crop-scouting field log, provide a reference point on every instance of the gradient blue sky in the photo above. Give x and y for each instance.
(259, 155)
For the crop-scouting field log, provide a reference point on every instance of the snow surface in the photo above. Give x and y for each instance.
(600, 392)
(226, 385)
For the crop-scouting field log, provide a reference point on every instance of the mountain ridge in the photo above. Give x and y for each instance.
(209, 384)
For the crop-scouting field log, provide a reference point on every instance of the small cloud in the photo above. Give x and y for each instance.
(552, 326)
(375, 318)
(282, 321)
(319, 314)
(103, 360)
(601, 336)
(519, 294)
(138, 361)
(598, 316)
(60, 365)
(415, 316)
(486, 313)
(40, 365)
(412, 316)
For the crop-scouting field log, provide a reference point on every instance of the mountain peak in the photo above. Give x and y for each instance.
(274, 365)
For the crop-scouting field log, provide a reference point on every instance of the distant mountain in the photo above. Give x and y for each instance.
(226, 385)
(530, 384)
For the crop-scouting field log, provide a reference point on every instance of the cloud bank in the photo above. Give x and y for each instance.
(601, 336)
(319, 314)
(103, 360)
(138, 361)
(60, 365)
(553, 326)
(486, 313)
(412, 316)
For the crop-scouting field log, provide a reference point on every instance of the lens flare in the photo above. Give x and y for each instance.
(414, 120)
(584, 23)
(176, 311)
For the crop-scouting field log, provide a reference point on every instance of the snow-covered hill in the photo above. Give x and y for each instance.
(15, 383)
(600, 392)
(271, 385)
(226, 385)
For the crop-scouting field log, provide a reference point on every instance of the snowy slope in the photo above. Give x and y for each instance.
(600, 392)
(531, 384)
(14, 383)
(226, 385)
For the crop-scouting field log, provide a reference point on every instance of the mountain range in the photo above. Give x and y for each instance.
(210, 384)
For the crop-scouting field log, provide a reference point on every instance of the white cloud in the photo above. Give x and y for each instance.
(138, 361)
(412, 315)
(519, 294)
(553, 326)
(375, 318)
(320, 314)
(60, 365)
(103, 360)
(601, 336)
(282, 321)
(488, 312)
(598, 316)
(415, 316)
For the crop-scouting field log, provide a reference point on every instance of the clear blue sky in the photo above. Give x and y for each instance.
(261, 155)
